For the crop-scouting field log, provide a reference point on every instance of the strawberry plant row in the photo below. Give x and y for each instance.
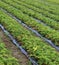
(37, 5)
(35, 46)
(36, 15)
(53, 2)
(6, 57)
(46, 31)
(52, 6)
(39, 10)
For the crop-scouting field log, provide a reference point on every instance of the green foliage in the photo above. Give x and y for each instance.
(45, 5)
(46, 31)
(35, 46)
(44, 18)
(5, 56)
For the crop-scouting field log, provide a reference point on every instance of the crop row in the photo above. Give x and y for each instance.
(44, 3)
(34, 14)
(51, 5)
(39, 10)
(53, 2)
(35, 46)
(42, 6)
(6, 57)
(46, 31)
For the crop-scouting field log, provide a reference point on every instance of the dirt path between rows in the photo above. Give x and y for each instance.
(14, 50)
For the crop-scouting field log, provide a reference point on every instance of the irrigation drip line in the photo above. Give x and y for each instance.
(34, 31)
(18, 45)
(38, 20)
(41, 22)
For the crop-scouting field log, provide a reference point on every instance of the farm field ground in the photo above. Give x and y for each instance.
(11, 52)
(5, 54)
(34, 24)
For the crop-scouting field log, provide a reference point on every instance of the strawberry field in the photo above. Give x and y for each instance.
(34, 24)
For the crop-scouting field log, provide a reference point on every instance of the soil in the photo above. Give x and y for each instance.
(14, 50)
